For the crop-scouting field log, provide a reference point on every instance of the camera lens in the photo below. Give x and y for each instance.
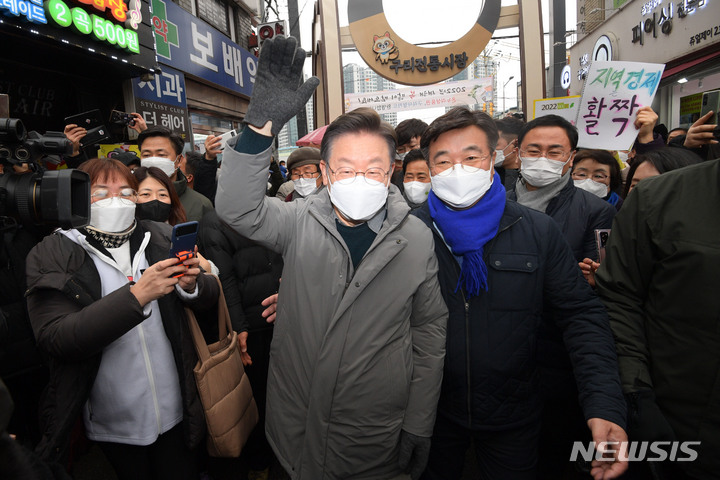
(11, 130)
(59, 197)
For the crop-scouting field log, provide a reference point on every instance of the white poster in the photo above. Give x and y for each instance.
(478, 91)
(612, 95)
(566, 107)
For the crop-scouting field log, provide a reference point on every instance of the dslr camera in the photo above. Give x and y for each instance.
(37, 197)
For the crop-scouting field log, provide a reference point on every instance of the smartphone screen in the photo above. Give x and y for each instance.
(601, 238)
(183, 241)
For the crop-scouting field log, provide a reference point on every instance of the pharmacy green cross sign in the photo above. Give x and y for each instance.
(166, 32)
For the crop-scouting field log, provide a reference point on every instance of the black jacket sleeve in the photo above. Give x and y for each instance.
(215, 246)
(276, 178)
(205, 178)
(586, 331)
(67, 330)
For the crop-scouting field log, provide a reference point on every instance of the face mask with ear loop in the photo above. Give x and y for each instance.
(360, 199)
(500, 154)
(167, 165)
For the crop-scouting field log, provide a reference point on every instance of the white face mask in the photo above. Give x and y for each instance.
(541, 172)
(305, 186)
(167, 165)
(417, 192)
(500, 155)
(359, 200)
(591, 186)
(461, 187)
(112, 215)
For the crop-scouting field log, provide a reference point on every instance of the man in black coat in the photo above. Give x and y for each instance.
(547, 151)
(249, 273)
(500, 265)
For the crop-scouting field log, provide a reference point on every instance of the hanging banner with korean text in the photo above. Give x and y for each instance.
(162, 101)
(612, 95)
(478, 91)
(187, 43)
(566, 107)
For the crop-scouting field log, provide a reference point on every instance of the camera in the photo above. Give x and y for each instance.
(122, 118)
(37, 197)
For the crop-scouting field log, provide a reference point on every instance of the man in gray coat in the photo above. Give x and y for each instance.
(357, 357)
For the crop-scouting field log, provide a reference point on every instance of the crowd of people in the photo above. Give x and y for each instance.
(402, 296)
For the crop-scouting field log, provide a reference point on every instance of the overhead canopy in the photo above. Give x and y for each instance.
(312, 139)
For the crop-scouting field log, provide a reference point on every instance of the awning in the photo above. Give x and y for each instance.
(684, 66)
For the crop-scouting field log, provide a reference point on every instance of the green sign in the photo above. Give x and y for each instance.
(102, 29)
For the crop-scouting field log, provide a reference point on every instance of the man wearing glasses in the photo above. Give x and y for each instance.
(500, 266)
(357, 354)
(547, 151)
(304, 168)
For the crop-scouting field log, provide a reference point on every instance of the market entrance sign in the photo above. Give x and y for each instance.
(402, 62)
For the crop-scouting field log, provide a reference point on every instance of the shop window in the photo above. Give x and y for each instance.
(214, 12)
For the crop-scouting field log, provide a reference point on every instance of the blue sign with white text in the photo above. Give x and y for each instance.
(168, 87)
(189, 44)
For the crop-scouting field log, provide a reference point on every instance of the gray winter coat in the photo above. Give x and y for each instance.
(357, 356)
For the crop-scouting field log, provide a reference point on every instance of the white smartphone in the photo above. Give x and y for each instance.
(225, 137)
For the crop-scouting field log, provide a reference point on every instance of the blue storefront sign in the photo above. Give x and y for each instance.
(187, 43)
(162, 101)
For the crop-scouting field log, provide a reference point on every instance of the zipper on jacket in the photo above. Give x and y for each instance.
(151, 377)
(467, 357)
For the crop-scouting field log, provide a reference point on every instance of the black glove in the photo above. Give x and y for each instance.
(278, 94)
(647, 422)
(414, 453)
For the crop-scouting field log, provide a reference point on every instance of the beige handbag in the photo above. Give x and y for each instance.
(224, 388)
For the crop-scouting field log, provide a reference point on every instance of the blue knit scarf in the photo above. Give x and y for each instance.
(467, 231)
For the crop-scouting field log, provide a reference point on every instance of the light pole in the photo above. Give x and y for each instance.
(508, 81)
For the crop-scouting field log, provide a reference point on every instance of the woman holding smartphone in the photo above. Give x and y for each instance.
(108, 312)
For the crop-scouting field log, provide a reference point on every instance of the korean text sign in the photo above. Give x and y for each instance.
(613, 93)
(566, 107)
(467, 92)
(187, 43)
(162, 101)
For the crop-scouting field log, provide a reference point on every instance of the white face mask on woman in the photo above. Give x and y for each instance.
(417, 192)
(112, 215)
(591, 186)
(167, 165)
(461, 186)
(359, 200)
(541, 172)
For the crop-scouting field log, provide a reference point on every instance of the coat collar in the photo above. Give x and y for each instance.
(397, 208)
(181, 183)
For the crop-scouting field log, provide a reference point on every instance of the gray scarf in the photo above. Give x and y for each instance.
(540, 199)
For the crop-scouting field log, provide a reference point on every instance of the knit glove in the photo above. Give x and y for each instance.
(647, 422)
(414, 453)
(278, 94)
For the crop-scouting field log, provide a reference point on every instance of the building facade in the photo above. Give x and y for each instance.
(682, 34)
